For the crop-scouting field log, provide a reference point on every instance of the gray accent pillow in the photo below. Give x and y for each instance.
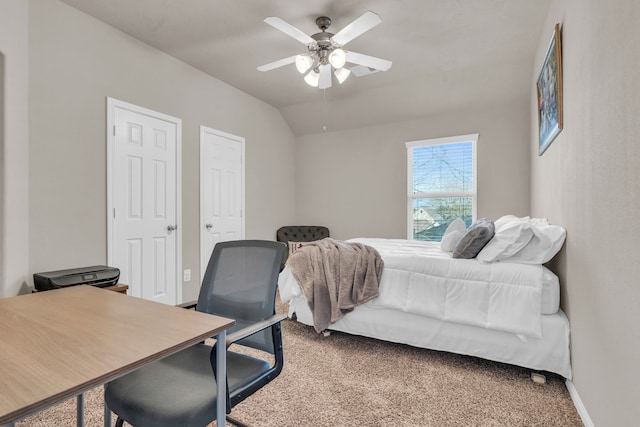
(472, 242)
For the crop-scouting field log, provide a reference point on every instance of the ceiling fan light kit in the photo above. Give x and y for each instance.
(304, 62)
(325, 51)
(313, 78)
(341, 74)
(337, 58)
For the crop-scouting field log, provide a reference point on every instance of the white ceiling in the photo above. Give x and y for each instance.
(446, 54)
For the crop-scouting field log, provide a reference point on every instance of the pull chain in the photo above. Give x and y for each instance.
(324, 110)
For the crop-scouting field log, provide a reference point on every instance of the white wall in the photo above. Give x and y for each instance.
(587, 180)
(14, 148)
(355, 181)
(75, 62)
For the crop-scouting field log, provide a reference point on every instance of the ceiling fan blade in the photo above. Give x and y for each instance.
(361, 70)
(288, 29)
(279, 63)
(368, 61)
(365, 22)
(325, 77)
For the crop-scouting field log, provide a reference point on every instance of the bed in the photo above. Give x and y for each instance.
(501, 310)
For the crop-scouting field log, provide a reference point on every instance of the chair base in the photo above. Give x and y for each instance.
(234, 421)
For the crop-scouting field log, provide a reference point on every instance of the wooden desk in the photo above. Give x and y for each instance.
(60, 343)
(118, 288)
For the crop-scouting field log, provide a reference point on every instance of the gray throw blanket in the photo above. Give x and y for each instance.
(335, 276)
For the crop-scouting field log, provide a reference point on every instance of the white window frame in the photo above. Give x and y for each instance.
(473, 138)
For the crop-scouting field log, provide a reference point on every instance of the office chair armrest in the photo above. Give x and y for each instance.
(252, 329)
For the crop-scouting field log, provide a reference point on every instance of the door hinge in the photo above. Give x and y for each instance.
(114, 130)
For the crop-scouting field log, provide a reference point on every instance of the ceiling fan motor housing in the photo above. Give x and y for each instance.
(323, 45)
(323, 22)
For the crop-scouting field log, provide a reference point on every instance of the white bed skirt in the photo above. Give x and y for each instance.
(549, 353)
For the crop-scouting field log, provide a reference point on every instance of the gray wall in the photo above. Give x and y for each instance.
(355, 181)
(14, 148)
(587, 180)
(75, 62)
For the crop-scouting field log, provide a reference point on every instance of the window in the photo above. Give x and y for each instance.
(441, 179)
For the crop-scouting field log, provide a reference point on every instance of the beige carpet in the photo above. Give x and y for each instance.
(344, 380)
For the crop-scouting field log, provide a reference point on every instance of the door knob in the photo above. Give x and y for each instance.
(172, 227)
(208, 226)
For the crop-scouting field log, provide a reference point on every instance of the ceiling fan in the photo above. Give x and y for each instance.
(325, 51)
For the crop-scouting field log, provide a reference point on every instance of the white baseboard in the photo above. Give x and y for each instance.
(582, 411)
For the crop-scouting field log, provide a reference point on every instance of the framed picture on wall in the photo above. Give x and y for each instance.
(550, 93)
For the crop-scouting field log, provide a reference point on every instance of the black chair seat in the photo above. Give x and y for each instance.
(190, 400)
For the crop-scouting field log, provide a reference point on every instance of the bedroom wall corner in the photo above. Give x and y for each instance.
(357, 182)
(587, 181)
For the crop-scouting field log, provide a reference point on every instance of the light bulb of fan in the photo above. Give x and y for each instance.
(337, 58)
(312, 78)
(341, 74)
(303, 63)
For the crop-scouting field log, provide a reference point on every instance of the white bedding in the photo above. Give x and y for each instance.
(419, 278)
(550, 353)
(398, 316)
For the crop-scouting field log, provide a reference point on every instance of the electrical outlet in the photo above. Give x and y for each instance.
(187, 276)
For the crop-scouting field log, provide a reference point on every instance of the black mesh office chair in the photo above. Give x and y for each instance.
(240, 283)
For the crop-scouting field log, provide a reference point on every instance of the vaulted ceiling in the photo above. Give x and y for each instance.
(446, 54)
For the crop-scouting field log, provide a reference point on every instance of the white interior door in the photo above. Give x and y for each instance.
(221, 190)
(144, 200)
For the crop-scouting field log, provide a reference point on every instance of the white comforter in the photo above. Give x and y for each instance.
(419, 278)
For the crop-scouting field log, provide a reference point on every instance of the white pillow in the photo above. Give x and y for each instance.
(504, 220)
(452, 235)
(512, 235)
(546, 242)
